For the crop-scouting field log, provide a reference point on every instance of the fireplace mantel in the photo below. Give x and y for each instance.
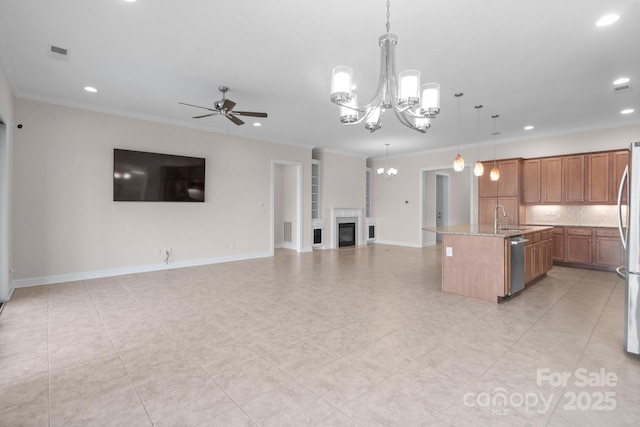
(339, 215)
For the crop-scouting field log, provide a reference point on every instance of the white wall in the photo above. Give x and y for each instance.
(342, 185)
(66, 225)
(399, 221)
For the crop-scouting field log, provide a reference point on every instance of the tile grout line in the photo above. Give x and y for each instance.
(124, 366)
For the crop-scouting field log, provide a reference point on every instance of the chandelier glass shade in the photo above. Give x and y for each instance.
(412, 103)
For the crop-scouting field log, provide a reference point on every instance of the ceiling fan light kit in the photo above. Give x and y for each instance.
(224, 107)
(413, 104)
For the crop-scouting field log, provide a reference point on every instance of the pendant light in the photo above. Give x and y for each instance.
(458, 162)
(495, 172)
(478, 167)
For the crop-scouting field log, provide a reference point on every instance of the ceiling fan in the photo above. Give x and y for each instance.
(224, 107)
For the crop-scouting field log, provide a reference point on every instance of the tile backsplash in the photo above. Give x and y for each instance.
(591, 215)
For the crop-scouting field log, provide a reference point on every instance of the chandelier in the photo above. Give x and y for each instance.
(387, 173)
(413, 104)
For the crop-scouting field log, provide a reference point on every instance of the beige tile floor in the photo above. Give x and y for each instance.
(354, 337)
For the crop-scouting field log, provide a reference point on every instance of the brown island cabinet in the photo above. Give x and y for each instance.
(476, 259)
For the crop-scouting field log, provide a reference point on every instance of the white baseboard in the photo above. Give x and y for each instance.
(97, 274)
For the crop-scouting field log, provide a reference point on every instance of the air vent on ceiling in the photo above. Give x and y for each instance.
(622, 88)
(59, 53)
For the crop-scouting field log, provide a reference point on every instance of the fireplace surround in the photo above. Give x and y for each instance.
(346, 216)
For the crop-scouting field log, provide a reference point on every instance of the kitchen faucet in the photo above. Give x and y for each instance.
(495, 216)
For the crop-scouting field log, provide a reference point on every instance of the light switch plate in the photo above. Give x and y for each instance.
(449, 251)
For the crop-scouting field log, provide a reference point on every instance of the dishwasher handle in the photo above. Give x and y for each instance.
(518, 242)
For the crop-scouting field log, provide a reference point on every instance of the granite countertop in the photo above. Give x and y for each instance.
(487, 230)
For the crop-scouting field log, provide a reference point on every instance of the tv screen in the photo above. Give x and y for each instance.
(153, 177)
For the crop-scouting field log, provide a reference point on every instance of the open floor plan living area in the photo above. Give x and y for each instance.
(349, 337)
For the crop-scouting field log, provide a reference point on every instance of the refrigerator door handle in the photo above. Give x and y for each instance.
(623, 181)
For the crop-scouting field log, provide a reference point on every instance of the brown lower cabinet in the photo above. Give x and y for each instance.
(538, 252)
(590, 247)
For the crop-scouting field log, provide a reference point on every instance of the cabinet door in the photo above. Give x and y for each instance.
(579, 245)
(487, 208)
(486, 187)
(573, 179)
(598, 178)
(551, 176)
(558, 244)
(608, 247)
(509, 182)
(529, 263)
(531, 180)
(548, 260)
(620, 161)
(539, 250)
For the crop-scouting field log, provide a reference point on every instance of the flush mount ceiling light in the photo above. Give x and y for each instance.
(90, 89)
(607, 20)
(478, 167)
(528, 127)
(458, 162)
(387, 173)
(627, 111)
(414, 105)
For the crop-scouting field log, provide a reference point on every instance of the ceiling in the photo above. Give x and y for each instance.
(542, 63)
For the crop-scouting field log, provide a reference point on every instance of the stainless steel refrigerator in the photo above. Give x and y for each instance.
(630, 235)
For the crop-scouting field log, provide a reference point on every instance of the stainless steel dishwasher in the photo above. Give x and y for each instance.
(517, 264)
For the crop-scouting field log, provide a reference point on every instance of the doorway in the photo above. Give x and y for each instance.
(442, 202)
(286, 205)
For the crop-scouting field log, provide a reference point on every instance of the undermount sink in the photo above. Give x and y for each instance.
(511, 229)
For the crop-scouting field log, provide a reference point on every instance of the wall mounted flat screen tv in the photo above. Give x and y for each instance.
(153, 177)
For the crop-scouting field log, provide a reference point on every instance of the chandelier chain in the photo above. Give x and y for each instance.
(388, 15)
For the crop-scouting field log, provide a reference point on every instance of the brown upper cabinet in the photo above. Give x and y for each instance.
(598, 175)
(620, 162)
(509, 182)
(578, 179)
(573, 179)
(542, 181)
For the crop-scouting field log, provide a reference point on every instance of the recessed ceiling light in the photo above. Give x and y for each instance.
(627, 111)
(130, 1)
(529, 127)
(621, 81)
(607, 20)
(90, 89)
(257, 124)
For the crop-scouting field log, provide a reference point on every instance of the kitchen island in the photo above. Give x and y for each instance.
(477, 259)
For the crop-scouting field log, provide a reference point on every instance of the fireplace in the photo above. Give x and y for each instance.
(346, 234)
(351, 216)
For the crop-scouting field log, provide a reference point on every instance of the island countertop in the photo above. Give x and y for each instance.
(487, 230)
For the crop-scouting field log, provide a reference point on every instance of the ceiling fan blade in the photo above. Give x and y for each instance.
(249, 113)
(234, 119)
(197, 106)
(228, 104)
(200, 117)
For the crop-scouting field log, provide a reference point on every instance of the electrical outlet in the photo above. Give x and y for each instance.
(449, 251)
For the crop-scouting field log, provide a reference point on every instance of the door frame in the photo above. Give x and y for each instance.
(298, 166)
